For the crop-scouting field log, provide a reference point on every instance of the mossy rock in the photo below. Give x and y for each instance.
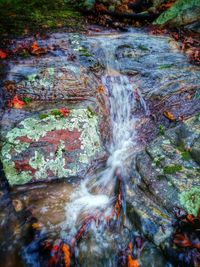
(182, 12)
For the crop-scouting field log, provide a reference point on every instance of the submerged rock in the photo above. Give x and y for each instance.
(167, 176)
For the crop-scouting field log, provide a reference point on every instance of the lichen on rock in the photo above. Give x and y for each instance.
(191, 200)
(37, 149)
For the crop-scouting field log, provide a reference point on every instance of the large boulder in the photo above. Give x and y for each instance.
(182, 12)
(57, 134)
(41, 147)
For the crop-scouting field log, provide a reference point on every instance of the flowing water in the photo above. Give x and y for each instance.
(96, 195)
(94, 223)
(94, 202)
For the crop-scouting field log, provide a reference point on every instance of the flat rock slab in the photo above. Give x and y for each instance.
(38, 144)
(51, 147)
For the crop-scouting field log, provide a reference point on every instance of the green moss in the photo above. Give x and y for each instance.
(27, 100)
(163, 67)
(43, 116)
(56, 112)
(186, 155)
(37, 14)
(90, 112)
(142, 47)
(171, 169)
(161, 129)
(191, 200)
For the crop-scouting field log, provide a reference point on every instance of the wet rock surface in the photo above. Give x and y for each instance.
(40, 143)
(167, 175)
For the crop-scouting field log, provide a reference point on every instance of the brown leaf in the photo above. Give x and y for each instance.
(182, 240)
(169, 115)
(36, 50)
(10, 86)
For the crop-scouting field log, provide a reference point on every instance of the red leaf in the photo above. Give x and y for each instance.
(16, 103)
(64, 112)
(3, 55)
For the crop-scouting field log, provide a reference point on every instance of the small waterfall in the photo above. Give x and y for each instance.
(95, 196)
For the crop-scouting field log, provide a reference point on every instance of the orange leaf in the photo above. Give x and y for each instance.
(66, 251)
(3, 55)
(132, 262)
(34, 46)
(169, 115)
(64, 112)
(101, 89)
(17, 103)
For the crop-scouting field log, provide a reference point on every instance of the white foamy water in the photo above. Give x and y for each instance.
(95, 195)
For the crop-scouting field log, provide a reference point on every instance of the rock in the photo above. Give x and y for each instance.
(39, 142)
(160, 67)
(50, 147)
(194, 27)
(166, 176)
(182, 12)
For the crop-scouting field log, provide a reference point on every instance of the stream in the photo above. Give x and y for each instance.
(88, 215)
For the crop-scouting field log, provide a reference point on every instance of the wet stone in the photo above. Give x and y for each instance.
(167, 176)
(53, 80)
(51, 147)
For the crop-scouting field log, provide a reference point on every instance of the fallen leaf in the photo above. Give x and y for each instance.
(132, 262)
(66, 251)
(37, 226)
(101, 89)
(169, 115)
(34, 46)
(16, 103)
(182, 240)
(17, 205)
(36, 50)
(3, 54)
(64, 112)
(10, 86)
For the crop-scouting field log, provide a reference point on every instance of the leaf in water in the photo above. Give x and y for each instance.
(169, 115)
(3, 55)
